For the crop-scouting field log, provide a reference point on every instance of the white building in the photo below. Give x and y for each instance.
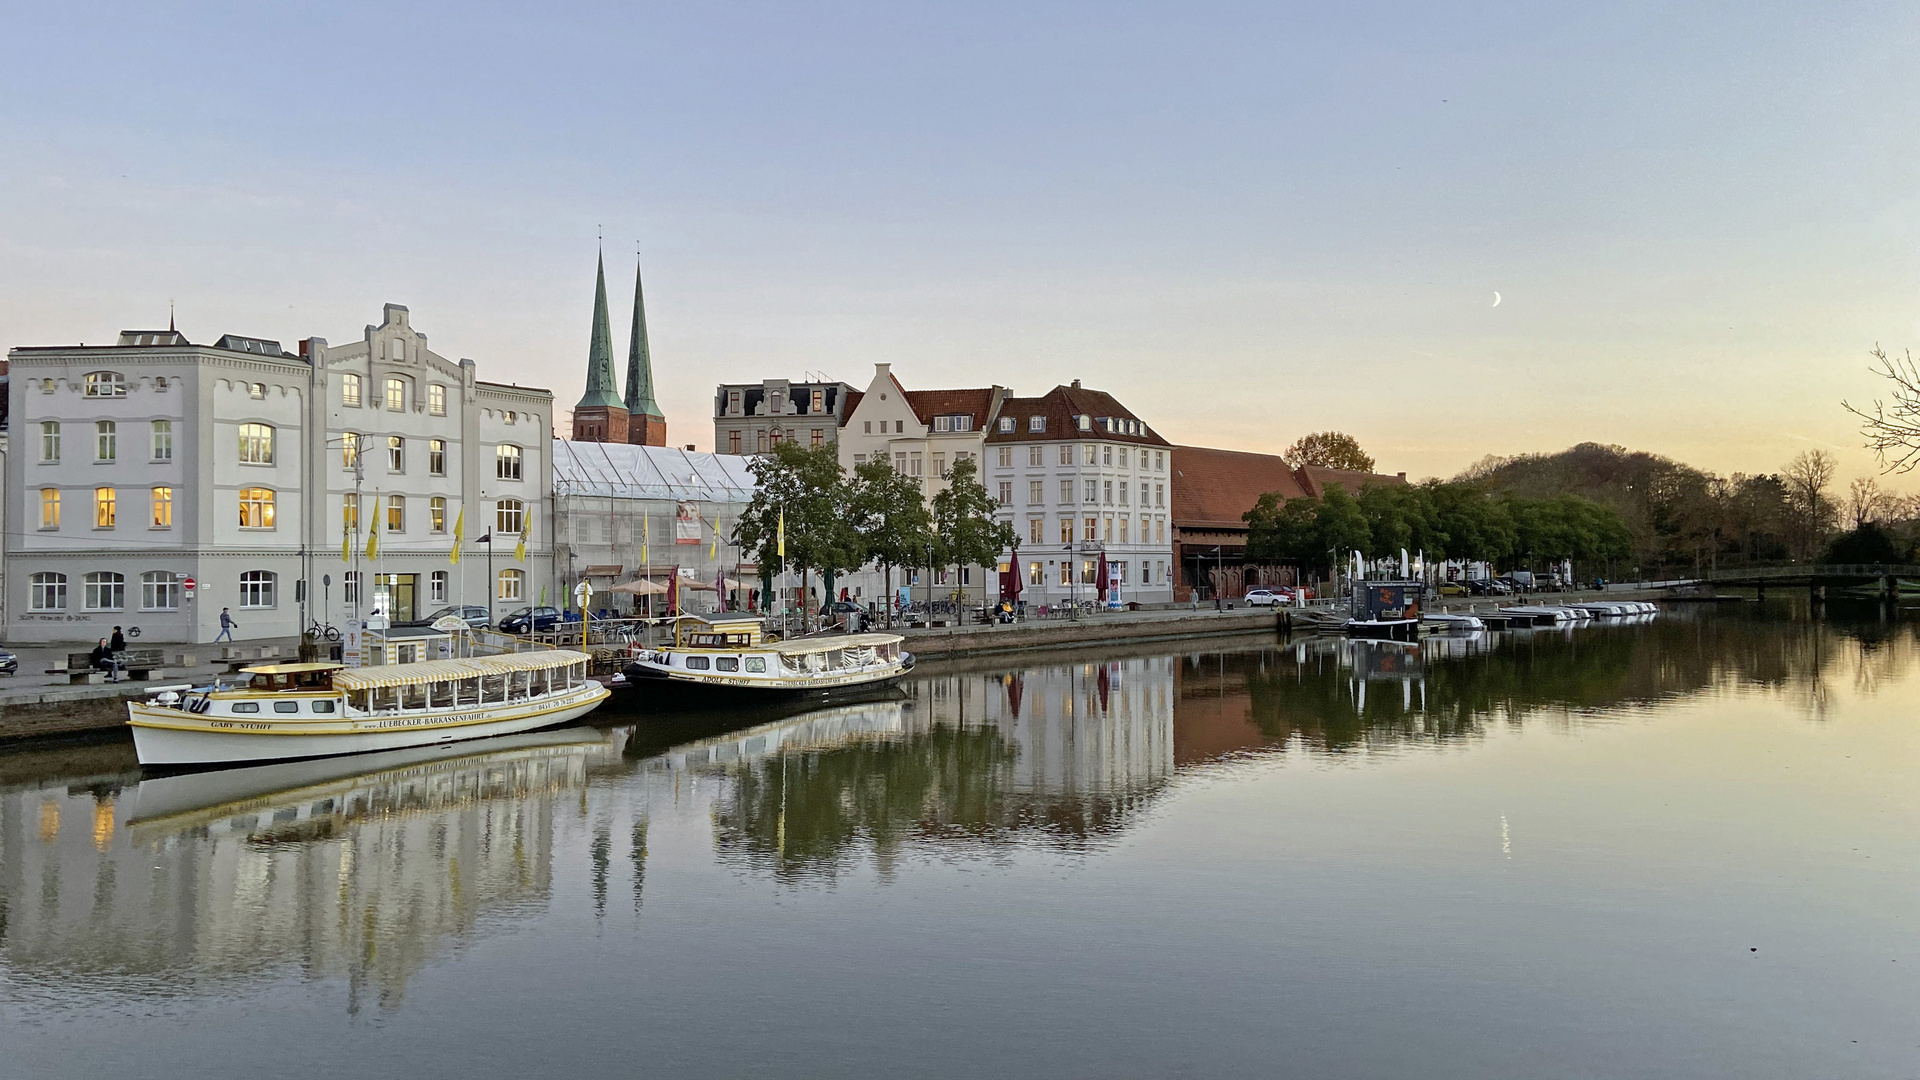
(1077, 474)
(154, 460)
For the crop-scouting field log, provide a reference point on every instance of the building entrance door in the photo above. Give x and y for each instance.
(394, 596)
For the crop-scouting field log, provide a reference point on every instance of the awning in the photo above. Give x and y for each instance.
(428, 671)
(805, 646)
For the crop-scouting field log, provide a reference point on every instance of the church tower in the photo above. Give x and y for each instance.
(645, 425)
(600, 416)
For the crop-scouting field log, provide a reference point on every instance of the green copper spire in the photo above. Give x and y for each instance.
(600, 390)
(639, 359)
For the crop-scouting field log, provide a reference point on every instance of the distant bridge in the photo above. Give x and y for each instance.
(1817, 576)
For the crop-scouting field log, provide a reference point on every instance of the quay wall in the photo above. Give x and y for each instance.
(983, 640)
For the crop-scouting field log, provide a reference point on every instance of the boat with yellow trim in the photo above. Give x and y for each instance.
(312, 710)
(726, 658)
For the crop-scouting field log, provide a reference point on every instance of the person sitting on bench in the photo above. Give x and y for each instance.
(102, 658)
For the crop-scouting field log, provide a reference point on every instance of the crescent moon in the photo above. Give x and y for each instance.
(1496, 299)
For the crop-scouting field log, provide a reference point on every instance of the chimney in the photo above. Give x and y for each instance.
(881, 371)
(1076, 384)
(1403, 477)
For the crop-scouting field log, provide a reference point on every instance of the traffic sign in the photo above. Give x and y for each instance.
(188, 585)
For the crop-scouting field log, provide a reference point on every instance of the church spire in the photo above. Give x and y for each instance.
(600, 386)
(639, 359)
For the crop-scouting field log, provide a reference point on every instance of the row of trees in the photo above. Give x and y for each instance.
(1446, 520)
(837, 523)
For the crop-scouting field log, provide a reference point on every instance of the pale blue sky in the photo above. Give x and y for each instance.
(1247, 221)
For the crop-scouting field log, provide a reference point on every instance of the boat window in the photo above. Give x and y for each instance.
(355, 700)
(757, 663)
(323, 706)
(727, 663)
(697, 663)
(246, 706)
(286, 706)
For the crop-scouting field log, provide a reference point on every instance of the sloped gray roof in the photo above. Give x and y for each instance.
(622, 470)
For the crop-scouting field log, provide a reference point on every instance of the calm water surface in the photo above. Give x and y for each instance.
(1679, 849)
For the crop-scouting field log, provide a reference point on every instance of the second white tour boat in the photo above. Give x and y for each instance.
(726, 658)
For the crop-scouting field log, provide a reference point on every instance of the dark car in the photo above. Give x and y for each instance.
(530, 620)
(475, 616)
(9, 663)
(843, 607)
(1482, 587)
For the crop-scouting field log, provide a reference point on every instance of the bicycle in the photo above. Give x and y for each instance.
(321, 630)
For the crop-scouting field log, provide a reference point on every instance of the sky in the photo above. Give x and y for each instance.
(1247, 221)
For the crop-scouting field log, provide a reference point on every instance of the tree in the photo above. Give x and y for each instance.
(1892, 427)
(1867, 543)
(1806, 478)
(1866, 502)
(806, 484)
(1329, 449)
(890, 516)
(965, 530)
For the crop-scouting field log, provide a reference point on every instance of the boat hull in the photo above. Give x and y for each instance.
(1389, 629)
(165, 737)
(650, 686)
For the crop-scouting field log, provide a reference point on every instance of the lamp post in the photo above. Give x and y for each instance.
(488, 540)
(1219, 575)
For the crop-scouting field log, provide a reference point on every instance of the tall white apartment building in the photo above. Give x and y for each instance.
(1077, 474)
(155, 460)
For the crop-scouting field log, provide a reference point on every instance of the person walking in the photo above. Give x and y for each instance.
(226, 626)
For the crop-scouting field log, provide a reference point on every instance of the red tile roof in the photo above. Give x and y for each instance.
(1315, 479)
(1063, 406)
(1215, 487)
(927, 404)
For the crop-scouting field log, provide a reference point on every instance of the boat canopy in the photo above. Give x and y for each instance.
(433, 671)
(805, 646)
(289, 669)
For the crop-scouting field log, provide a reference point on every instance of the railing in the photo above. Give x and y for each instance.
(1801, 571)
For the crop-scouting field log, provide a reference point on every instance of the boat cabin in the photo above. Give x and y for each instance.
(1385, 601)
(280, 678)
(717, 632)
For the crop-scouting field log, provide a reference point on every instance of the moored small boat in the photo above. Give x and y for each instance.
(728, 659)
(1452, 623)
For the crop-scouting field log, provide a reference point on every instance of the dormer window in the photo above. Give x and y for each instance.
(1036, 423)
(106, 384)
(1006, 424)
(963, 423)
(943, 423)
(1086, 422)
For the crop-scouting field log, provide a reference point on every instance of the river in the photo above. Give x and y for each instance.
(1684, 847)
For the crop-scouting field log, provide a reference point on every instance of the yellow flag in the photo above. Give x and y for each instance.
(713, 549)
(780, 535)
(346, 542)
(459, 534)
(520, 549)
(646, 534)
(373, 533)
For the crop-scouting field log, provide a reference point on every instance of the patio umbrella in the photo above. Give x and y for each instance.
(1100, 579)
(642, 587)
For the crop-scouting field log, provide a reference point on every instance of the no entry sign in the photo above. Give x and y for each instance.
(188, 585)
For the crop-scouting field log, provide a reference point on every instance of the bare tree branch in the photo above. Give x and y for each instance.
(1892, 428)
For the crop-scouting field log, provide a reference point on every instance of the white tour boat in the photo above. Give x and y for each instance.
(312, 710)
(726, 658)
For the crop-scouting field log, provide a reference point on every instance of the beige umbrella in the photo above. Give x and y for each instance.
(643, 587)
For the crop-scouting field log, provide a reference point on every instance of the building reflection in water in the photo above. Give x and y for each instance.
(361, 869)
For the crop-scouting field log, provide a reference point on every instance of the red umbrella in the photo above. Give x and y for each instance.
(1101, 580)
(673, 591)
(1104, 684)
(1010, 588)
(1014, 690)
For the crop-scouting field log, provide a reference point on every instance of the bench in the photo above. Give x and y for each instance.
(139, 664)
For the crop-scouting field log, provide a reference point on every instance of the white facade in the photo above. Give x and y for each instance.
(155, 460)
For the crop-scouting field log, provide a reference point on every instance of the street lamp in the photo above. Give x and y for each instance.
(488, 540)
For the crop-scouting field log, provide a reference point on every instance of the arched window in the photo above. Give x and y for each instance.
(349, 449)
(397, 392)
(106, 384)
(106, 508)
(437, 587)
(162, 508)
(437, 514)
(159, 591)
(163, 440)
(49, 592)
(256, 444)
(396, 454)
(49, 508)
(437, 399)
(256, 589)
(256, 508)
(257, 390)
(50, 440)
(106, 435)
(506, 462)
(104, 590)
(350, 391)
(397, 349)
(512, 585)
(509, 516)
(160, 384)
(396, 513)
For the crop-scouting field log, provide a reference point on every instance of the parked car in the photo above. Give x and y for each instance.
(842, 607)
(1450, 588)
(474, 615)
(1481, 587)
(9, 662)
(1268, 597)
(530, 620)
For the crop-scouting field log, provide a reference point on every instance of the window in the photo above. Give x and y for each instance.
(1093, 491)
(436, 457)
(899, 426)
(1124, 489)
(106, 439)
(397, 393)
(1066, 530)
(160, 384)
(104, 590)
(509, 516)
(1159, 530)
(943, 423)
(1034, 530)
(257, 390)
(396, 454)
(775, 436)
(914, 464)
(1086, 571)
(396, 513)
(1066, 573)
(163, 440)
(757, 663)
(900, 463)
(1093, 527)
(1123, 457)
(256, 589)
(350, 391)
(1106, 456)
(350, 587)
(46, 386)
(256, 444)
(506, 461)
(1123, 528)
(1066, 453)
(256, 508)
(1006, 457)
(511, 585)
(350, 513)
(437, 587)
(514, 418)
(437, 399)
(106, 384)
(760, 442)
(1036, 423)
(49, 592)
(697, 663)
(733, 442)
(1036, 492)
(49, 508)
(940, 465)
(246, 706)
(349, 449)
(1108, 537)
(437, 514)
(106, 506)
(159, 591)
(1006, 424)
(733, 401)
(1006, 492)
(1066, 492)
(162, 508)
(819, 436)
(49, 440)
(963, 423)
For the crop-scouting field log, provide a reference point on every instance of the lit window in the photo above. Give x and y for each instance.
(50, 440)
(104, 590)
(49, 508)
(49, 592)
(106, 505)
(437, 587)
(159, 591)
(1093, 528)
(46, 386)
(349, 449)
(256, 444)
(256, 508)
(513, 417)
(397, 393)
(506, 462)
(437, 457)
(256, 589)
(396, 454)
(509, 515)
(106, 436)
(511, 585)
(437, 514)
(350, 391)
(819, 436)
(1036, 574)
(257, 390)
(819, 401)
(163, 440)
(396, 513)
(350, 513)
(1034, 527)
(163, 508)
(106, 384)
(1066, 530)
(437, 400)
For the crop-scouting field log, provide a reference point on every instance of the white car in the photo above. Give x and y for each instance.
(1268, 597)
